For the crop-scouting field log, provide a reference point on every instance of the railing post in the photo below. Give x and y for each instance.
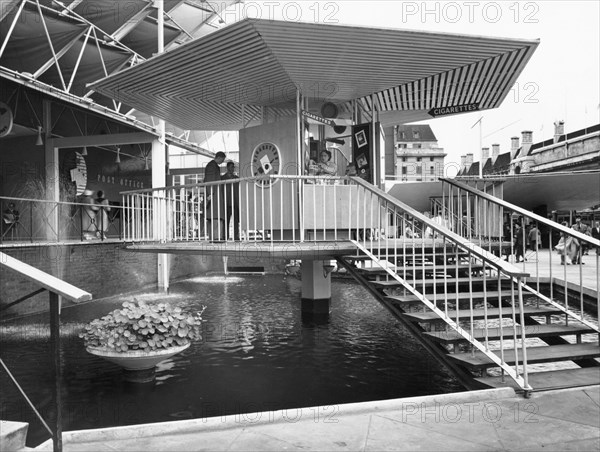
(55, 346)
(523, 336)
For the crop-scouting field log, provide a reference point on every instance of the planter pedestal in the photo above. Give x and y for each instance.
(139, 366)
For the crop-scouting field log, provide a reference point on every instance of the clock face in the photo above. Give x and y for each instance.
(265, 161)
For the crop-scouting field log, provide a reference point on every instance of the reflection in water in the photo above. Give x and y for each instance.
(258, 353)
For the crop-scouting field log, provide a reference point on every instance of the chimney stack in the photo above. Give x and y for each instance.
(514, 144)
(527, 137)
(463, 161)
(469, 159)
(495, 150)
(485, 154)
(559, 129)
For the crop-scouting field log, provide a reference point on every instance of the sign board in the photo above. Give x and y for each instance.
(362, 148)
(452, 110)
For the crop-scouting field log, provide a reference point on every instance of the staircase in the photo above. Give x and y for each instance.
(482, 316)
(433, 288)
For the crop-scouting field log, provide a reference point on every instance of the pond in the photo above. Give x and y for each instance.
(257, 354)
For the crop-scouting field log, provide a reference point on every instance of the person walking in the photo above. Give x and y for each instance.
(102, 214)
(580, 226)
(534, 238)
(596, 234)
(519, 243)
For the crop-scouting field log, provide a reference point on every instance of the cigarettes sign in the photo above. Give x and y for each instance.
(443, 111)
(314, 117)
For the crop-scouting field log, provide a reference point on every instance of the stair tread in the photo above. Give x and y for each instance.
(490, 294)
(429, 282)
(494, 333)
(563, 352)
(550, 380)
(480, 313)
(410, 269)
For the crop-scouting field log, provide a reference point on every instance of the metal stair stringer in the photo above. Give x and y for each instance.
(434, 348)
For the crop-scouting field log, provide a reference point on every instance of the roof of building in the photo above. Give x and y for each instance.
(415, 133)
(488, 166)
(501, 164)
(564, 137)
(473, 169)
(256, 63)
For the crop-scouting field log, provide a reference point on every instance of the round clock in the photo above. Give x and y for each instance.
(6, 119)
(265, 161)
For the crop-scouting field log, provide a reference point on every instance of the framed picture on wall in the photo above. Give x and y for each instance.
(361, 138)
(362, 161)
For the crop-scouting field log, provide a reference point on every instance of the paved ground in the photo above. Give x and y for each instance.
(494, 419)
(546, 265)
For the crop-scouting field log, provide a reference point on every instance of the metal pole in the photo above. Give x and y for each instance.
(55, 346)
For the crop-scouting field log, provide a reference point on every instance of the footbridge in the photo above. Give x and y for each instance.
(450, 278)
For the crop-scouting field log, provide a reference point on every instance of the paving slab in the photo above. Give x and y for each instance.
(493, 419)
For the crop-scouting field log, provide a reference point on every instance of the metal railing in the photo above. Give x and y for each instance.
(430, 262)
(249, 209)
(57, 289)
(37, 220)
(538, 244)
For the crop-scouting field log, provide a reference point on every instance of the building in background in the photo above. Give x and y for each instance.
(417, 154)
(575, 151)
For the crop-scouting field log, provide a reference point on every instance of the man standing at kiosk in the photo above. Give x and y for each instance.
(215, 199)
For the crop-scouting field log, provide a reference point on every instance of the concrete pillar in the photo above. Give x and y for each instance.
(52, 179)
(316, 287)
(160, 207)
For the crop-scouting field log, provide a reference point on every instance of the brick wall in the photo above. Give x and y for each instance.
(103, 269)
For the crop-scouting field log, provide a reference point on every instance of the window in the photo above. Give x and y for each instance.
(431, 159)
(403, 135)
(404, 159)
(418, 159)
(404, 170)
(416, 135)
(419, 169)
(402, 145)
(417, 145)
(432, 170)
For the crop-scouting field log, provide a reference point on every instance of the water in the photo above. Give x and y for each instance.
(257, 354)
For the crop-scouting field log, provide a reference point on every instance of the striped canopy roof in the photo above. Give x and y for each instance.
(261, 63)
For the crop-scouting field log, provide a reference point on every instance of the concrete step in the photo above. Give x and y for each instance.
(452, 337)
(491, 295)
(492, 313)
(409, 270)
(535, 355)
(438, 282)
(13, 435)
(550, 380)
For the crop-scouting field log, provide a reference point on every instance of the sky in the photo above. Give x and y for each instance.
(560, 82)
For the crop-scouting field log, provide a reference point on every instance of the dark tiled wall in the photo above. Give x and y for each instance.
(103, 269)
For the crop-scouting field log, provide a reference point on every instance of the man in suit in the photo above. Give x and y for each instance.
(212, 172)
(215, 196)
(580, 226)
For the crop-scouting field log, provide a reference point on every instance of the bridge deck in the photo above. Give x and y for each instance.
(250, 249)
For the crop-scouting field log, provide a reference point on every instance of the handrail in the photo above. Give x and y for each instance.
(49, 282)
(57, 289)
(524, 212)
(506, 267)
(34, 221)
(234, 181)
